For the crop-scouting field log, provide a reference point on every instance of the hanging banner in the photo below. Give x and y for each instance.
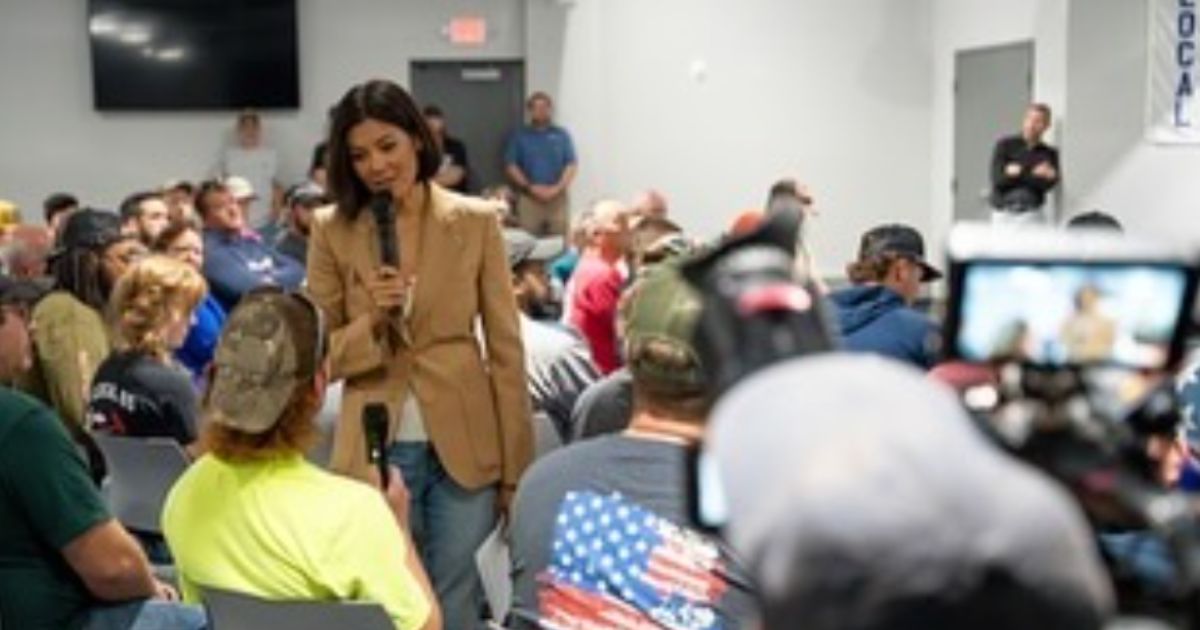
(1173, 108)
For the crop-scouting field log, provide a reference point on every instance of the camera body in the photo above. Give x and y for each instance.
(758, 309)
(1055, 299)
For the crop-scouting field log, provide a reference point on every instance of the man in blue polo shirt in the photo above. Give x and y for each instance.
(540, 160)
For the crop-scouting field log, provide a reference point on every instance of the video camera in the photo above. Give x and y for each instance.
(1082, 331)
(1066, 319)
(759, 308)
(1056, 299)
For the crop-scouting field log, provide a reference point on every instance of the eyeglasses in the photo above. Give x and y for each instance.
(180, 250)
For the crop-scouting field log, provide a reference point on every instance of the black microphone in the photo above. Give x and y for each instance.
(375, 428)
(385, 227)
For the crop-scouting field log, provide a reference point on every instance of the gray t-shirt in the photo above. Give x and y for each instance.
(558, 368)
(605, 407)
(600, 539)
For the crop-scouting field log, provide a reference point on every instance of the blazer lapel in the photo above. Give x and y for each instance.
(363, 247)
(441, 246)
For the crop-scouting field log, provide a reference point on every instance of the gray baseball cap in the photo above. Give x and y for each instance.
(523, 246)
(863, 497)
(273, 341)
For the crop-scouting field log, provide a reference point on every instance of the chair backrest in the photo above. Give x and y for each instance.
(546, 437)
(228, 610)
(141, 472)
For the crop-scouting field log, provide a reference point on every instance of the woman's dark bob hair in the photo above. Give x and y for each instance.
(386, 102)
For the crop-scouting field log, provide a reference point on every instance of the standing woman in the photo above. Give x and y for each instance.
(406, 336)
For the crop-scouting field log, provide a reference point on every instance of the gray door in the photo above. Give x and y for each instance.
(483, 102)
(992, 88)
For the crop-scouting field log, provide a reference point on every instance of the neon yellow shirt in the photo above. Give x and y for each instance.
(285, 529)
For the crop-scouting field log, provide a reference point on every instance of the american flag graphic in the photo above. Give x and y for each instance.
(618, 565)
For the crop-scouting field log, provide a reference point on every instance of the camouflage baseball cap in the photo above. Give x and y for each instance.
(272, 342)
(659, 321)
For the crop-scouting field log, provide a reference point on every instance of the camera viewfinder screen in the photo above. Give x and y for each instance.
(1070, 314)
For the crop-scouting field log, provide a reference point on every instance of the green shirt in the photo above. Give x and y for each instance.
(47, 500)
(71, 341)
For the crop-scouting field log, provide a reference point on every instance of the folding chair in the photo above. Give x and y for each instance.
(228, 610)
(141, 472)
(546, 436)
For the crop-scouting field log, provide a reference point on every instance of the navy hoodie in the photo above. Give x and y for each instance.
(875, 319)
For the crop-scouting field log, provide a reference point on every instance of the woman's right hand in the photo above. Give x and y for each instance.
(389, 293)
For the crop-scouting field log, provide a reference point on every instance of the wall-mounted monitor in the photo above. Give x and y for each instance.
(194, 54)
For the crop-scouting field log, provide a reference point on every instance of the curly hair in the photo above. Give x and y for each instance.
(872, 269)
(296, 432)
(296, 429)
(154, 293)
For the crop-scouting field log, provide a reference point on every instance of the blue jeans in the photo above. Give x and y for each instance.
(147, 614)
(448, 524)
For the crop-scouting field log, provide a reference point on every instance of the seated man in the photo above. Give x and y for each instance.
(558, 365)
(235, 260)
(292, 239)
(144, 215)
(876, 315)
(600, 532)
(56, 208)
(64, 561)
(595, 289)
(253, 516)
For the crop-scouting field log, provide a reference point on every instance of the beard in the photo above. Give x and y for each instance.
(544, 310)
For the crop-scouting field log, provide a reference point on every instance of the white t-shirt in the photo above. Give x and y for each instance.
(259, 167)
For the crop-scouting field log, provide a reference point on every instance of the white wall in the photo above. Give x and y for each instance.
(835, 93)
(966, 24)
(54, 140)
(1151, 188)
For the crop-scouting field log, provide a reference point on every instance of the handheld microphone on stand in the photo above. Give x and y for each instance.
(375, 428)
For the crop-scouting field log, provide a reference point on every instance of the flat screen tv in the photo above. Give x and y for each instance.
(194, 54)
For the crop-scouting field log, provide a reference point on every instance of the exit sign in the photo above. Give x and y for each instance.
(468, 31)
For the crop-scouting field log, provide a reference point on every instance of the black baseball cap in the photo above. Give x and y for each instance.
(89, 228)
(20, 291)
(902, 240)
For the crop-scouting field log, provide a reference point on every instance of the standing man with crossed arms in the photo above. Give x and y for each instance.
(1024, 169)
(540, 161)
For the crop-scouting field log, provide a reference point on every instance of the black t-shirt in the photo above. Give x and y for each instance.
(456, 151)
(1025, 186)
(137, 395)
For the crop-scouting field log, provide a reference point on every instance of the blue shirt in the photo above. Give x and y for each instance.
(563, 267)
(235, 264)
(541, 154)
(197, 350)
(875, 319)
